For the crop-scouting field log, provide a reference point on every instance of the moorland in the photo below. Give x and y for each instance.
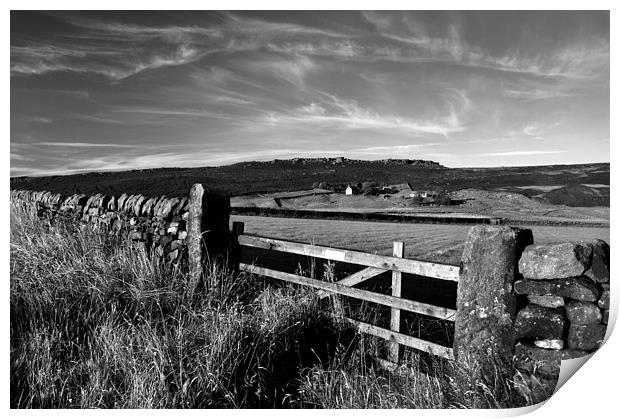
(578, 185)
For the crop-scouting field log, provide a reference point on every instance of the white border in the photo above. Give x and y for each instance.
(591, 391)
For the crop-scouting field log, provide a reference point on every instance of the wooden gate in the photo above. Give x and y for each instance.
(375, 265)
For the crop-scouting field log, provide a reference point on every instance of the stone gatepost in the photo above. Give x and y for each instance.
(484, 331)
(207, 229)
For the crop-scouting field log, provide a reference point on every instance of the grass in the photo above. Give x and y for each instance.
(95, 324)
(435, 242)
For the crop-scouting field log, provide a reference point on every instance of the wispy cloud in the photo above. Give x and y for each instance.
(170, 112)
(254, 85)
(519, 153)
(348, 114)
(82, 144)
(37, 119)
(291, 70)
(537, 94)
(20, 157)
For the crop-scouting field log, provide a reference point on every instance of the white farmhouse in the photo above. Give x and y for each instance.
(349, 190)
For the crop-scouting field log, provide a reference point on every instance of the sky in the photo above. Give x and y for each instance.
(106, 91)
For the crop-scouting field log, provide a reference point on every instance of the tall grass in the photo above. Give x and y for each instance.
(96, 323)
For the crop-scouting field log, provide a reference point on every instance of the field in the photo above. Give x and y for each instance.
(435, 242)
(95, 324)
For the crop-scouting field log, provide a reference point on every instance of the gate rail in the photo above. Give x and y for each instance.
(375, 265)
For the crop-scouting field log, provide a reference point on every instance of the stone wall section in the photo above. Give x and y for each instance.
(566, 291)
(159, 222)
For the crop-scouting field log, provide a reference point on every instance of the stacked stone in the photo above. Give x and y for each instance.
(567, 288)
(159, 222)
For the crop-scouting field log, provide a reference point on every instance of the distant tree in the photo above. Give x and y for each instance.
(444, 198)
(369, 188)
(323, 185)
(416, 200)
(316, 185)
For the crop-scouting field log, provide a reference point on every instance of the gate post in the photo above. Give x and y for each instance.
(485, 303)
(394, 348)
(234, 258)
(207, 228)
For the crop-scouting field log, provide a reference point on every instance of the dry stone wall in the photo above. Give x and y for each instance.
(566, 292)
(159, 222)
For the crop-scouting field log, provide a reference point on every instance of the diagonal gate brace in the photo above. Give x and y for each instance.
(354, 279)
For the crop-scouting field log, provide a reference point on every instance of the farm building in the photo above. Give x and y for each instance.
(351, 190)
(424, 194)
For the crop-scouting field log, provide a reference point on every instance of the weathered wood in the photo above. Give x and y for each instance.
(402, 339)
(429, 269)
(235, 248)
(238, 228)
(355, 278)
(388, 300)
(398, 251)
(194, 232)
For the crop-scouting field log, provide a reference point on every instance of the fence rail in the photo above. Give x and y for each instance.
(429, 269)
(336, 288)
(375, 265)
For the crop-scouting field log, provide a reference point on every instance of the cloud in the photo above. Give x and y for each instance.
(37, 119)
(82, 144)
(537, 129)
(229, 100)
(20, 157)
(122, 50)
(291, 70)
(109, 63)
(584, 59)
(170, 112)
(519, 153)
(536, 94)
(340, 113)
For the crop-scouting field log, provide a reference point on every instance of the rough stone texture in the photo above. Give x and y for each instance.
(586, 337)
(579, 288)
(549, 343)
(546, 361)
(130, 216)
(485, 300)
(539, 322)
(579, 312)
(555, 261)
(551, 301)
(599, 268)
(603, 302)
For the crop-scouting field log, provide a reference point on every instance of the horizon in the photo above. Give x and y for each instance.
(95, 171)
(124, 90)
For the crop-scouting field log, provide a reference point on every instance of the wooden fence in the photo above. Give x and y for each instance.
(375, 265)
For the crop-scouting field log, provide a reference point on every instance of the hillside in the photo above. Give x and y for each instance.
(538, 182)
